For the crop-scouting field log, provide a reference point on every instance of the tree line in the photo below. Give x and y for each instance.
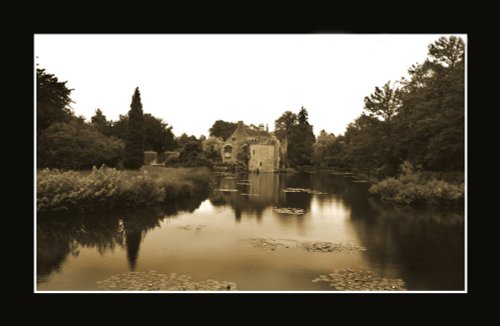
(66, 141)
(418, 120)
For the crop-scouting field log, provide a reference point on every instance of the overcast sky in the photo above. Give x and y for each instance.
(192, 80)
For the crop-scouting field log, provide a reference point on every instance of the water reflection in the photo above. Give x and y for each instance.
(59, 236)
(257, 192)
(424, 247)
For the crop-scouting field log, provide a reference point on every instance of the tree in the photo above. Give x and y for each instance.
(383, 103)
(222, 129)
(134, 144)
(422, 121)
(431, 125)
(119, 127)
(99, 121)
(303, 116)
(192, 155)
(283, 124)
(183, 139)
(52, 100)
(322, 148)
(77, 145)
(158, 135)
(364, 143)
(300, 141)
(447, 52)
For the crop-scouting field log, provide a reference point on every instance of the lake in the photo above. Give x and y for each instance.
(243, 233)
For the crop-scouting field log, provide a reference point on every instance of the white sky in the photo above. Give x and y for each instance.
(192, 80)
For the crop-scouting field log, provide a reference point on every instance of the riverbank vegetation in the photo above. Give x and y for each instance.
(109, 189)
(418, 188)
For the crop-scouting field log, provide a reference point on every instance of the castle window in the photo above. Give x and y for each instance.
(254, 152)
(234, 138)
(260, 163)
(228, 149)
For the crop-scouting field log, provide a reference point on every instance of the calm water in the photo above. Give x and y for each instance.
(205, 238)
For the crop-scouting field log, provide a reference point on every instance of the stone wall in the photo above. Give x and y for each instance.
(262, 158)
(236, 141)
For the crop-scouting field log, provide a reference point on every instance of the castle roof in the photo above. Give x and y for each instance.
(243, 131)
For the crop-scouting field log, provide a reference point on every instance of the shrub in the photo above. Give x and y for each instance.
(141, 191)
(58, 191)
(107, 188)
(414, 188)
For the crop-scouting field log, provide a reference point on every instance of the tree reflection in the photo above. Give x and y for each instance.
(426, 244)
(58, 236)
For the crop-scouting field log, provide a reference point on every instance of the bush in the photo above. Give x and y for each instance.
(141, 191)
(76, 146)
(108, 188)
(414, 188)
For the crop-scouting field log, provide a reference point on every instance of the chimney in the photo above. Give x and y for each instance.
(240, 124)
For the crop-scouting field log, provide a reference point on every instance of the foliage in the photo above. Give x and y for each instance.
(431, 124)
(191, 155)
(299, 135)
(52, 100)
(421, 119)
(323, 147)
(158, 135)
(134, 143)
(222, 129)
(76, 145)
(108, 188)
(383, 103)
(119, 127)
(99, 121)
(283, 124)
(412, 189)
(300, 141)
(183, 139)
(103, 188)
(212, 147)
(303, 116)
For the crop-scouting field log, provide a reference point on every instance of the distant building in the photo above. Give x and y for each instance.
(266, 153)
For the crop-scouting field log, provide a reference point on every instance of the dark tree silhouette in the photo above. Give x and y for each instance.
(52, 100)
(134, 144)
(300, 139)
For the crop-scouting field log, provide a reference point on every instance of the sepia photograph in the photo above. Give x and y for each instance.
(250, 163)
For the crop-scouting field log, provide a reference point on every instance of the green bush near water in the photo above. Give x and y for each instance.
(108, 188)
(418, 188)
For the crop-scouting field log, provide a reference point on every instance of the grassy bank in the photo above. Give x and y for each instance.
(111, 189)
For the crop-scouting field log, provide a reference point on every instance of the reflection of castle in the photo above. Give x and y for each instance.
(256, 193)
(265, 153)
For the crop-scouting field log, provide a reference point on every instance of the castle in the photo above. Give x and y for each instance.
(265, 153)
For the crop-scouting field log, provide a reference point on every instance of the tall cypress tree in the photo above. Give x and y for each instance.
(134, 143)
